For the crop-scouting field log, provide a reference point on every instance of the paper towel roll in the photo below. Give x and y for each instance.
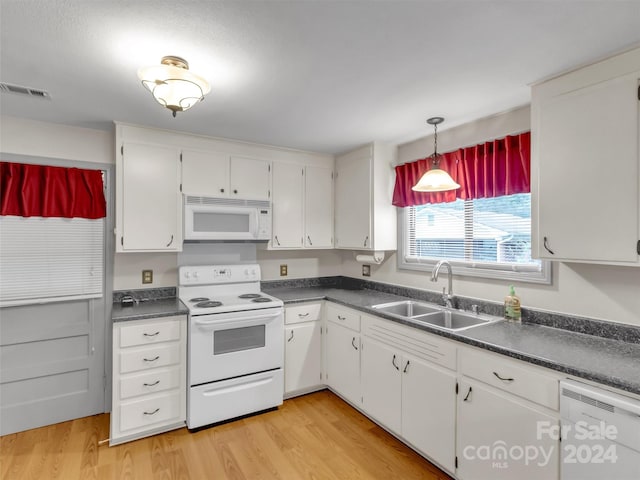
(376, 257)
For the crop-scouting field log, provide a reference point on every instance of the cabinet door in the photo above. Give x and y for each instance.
(318, 207)
(205, 174)
(588, 178)
(249, 178)
(343, 362)
(302, 356)
(493, 429)
(353, 202)
(287, 206)
(429, 409)
(151, 199)
(381, 389)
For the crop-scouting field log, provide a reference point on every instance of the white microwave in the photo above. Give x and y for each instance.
(221, 219)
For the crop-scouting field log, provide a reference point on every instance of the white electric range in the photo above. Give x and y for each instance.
(235, 343)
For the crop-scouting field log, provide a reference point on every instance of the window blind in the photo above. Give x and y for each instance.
(492, 233)
(50, 259)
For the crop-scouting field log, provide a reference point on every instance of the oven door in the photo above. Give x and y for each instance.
(227, 345)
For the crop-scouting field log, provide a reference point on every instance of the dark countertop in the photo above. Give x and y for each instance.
(610, 362)
(148, 309)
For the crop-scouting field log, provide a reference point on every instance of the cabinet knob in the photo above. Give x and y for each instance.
(222, 190)
(170, 241)
(546, 246)
(353, 343)
(366, 240)
(235, 191)
(291, 337)
(309, 238)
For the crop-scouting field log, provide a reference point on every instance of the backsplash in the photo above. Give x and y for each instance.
(589, 326)
(145, 294)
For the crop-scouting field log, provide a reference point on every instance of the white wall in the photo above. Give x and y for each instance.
(604, 292)
(40, 139)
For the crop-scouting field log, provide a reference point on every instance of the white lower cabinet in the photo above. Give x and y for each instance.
(406, 393)
(303, 349)
(343, 353)
(501, 432)
(149, 377)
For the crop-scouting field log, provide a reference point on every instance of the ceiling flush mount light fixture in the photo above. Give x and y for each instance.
(435, 179)
(173, 85)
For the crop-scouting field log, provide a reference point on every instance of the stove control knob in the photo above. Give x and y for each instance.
(187, 274)
(253, 272)
(195, 274)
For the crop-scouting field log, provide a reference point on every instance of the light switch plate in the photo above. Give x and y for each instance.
(283, 270)
(147, 276)
(366, 270)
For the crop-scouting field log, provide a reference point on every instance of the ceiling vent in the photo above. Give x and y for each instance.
(20, 90)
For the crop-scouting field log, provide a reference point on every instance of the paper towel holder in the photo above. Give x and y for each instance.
(373, 257)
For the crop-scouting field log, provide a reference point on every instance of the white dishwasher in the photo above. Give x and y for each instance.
(600, 434)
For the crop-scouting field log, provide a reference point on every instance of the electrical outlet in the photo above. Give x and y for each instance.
(283, 270)
(147, 276)
(366, 270)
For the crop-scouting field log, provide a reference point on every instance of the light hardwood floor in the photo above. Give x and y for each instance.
(317, 436)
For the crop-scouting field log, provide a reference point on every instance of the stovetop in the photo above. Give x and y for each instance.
(211, 289)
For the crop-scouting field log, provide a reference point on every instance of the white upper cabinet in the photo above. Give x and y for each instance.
(148, 198)
(216, 174)
(302, 206)
(318, 207)
(249, 178)
(205, 174)
(365, 219)
(585, 164)
(287, 227)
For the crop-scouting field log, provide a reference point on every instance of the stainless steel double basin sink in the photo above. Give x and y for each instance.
(439, 317)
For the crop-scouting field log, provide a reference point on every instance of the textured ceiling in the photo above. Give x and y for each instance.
(316, 75)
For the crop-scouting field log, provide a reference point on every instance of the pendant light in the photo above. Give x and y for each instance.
(173, 85)
(435, 179)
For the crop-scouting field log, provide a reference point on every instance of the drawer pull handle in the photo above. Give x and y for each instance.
(467, 396)
(152, 413)
(353, 343)
(393, 362)
(152, 359)
(303, 315)
(504, 379)
(405, 367)
(291, 337)
(151, 384)
(341, 318)
(151, 334)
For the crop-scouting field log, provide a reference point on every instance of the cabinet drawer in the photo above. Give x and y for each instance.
(156, 380)
(511, 376)
(152, 357)
(345, 317)
(305, 312)
(148, 412)
(149, 333)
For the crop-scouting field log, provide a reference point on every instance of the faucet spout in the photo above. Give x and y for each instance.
(448, 296)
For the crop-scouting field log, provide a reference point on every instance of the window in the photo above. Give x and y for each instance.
(489, 237)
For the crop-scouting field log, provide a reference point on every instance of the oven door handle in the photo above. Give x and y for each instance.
(237, 320)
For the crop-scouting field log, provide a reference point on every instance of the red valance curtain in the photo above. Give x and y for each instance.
(44, 191)
(491, 169)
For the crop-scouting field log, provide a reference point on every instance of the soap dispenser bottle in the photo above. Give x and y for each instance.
(512, 305)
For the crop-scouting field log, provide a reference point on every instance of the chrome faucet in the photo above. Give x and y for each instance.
(448, 296)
